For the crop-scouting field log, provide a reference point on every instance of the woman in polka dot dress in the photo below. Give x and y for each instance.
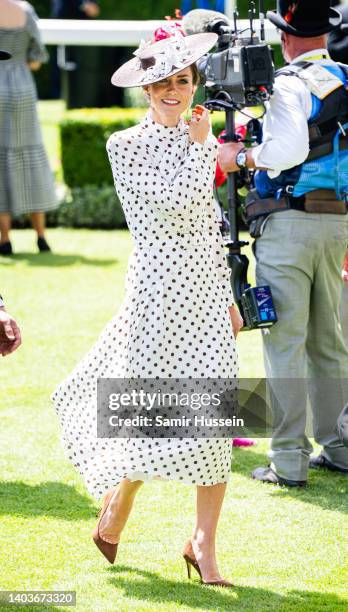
(177, 319)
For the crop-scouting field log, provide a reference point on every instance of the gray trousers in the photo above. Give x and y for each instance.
(300, 255)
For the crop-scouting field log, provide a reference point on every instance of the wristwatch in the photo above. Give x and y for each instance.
(241, 159)
(2, 303)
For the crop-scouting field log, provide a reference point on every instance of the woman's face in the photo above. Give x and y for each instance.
(172, 96)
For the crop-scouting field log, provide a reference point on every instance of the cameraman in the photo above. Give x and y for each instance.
(299, 250)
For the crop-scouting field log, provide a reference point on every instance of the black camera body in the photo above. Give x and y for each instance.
(241, 66)
(244, 71)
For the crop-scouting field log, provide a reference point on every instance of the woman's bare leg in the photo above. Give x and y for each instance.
(5, 226)
(38, 223)
(209, 503)
(116, 516)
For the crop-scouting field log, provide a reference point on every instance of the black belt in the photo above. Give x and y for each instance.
(319, 201)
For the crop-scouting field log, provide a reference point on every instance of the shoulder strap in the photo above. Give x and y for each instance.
(320, 81)
(291, 69)
(334, 104)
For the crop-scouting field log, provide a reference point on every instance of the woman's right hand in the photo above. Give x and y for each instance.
(199, 125)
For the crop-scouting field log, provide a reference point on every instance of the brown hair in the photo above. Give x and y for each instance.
(196, 77)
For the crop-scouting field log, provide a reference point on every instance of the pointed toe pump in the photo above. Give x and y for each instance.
(108, 550)
(191, 561)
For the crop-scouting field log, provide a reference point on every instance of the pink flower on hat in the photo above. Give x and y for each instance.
(169, 30)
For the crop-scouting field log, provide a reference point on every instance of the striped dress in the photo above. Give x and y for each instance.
(26, 179)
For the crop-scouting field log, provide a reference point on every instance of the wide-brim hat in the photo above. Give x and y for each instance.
(305, 18)
(158, 60)
(5, 55)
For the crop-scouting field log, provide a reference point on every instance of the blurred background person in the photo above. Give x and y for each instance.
(75, 9)
(26, 179)
(72, 9)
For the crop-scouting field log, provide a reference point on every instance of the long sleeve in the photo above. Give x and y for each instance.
(133, 168)
(218, 248)
(285, 131)
(36, 51)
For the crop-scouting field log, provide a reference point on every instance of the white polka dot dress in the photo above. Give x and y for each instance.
(174, 321)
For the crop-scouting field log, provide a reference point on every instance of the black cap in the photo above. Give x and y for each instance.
(305, 18)
(4, 55)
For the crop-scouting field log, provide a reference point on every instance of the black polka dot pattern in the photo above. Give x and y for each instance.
(174, 321)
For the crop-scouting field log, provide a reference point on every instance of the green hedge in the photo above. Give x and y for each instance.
(83, 139)
(95, 207)
(92, 206)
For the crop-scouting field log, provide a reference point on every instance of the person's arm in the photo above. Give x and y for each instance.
(285, 132)
(218, 248)
(132, 168)
(224, 274)
(90, 9)
(36, 51)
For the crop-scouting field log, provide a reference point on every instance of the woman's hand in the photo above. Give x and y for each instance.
(236, 320)
(91, 9)
(199, 125)
(34, 66)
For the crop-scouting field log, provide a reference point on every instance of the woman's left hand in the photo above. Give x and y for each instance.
(199, 124)
(236, 320)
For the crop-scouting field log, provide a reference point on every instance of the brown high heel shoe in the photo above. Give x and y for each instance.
(191, 560)
(108, 550)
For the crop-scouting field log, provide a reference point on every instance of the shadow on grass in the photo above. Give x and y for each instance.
(45, 499)
(149, 587)
(53, 260)
(325, 489)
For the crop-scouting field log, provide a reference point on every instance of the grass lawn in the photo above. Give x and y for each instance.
(284, 549)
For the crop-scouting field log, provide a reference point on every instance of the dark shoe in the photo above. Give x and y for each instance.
(321, 462)
(42, 244)
(268, 475)
(6, 248)
(191, 561)
(108, 550)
